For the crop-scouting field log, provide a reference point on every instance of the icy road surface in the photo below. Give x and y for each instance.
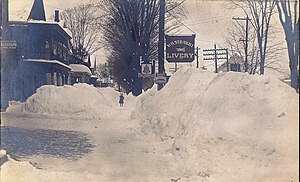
(118, 151)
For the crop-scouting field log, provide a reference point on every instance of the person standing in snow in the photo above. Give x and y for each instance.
(121, 100)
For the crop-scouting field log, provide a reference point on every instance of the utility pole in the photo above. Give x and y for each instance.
(215, 53)
(216, 59)
(246, 46)
(246, 39)
(161, 41)
(5, 57)
(197, 54)
(227, 64)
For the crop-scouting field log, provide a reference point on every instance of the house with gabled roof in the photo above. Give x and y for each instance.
(43, 55)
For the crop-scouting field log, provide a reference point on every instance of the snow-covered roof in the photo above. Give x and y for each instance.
(59, 24)
(80, 68)
(35, 12)
(48, 61)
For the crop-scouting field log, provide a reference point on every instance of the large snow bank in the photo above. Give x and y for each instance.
(225, 122)
(78, 99)
(161, 111)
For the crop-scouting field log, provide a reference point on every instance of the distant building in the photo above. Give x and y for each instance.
(94, 76)
(80, 74)
(235, 63)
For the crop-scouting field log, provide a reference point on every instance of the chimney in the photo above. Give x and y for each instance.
(56, 15)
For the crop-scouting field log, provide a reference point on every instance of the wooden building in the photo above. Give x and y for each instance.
(46, 45)
(43, 56)
(44, 49)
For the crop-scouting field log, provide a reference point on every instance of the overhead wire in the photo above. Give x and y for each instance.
(206, 20)
(54, 7)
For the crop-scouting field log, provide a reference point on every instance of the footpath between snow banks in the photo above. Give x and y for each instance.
(226, 126)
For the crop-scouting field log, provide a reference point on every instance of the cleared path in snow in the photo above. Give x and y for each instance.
(121, 152)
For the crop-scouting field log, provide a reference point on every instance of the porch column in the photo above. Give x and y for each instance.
(54, 79)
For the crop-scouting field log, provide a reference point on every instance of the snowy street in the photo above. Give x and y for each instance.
(119, 151)
(149, 91)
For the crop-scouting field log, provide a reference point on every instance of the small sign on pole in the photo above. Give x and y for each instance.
(146, 69)
(9, 44)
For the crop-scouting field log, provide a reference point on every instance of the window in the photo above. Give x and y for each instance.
(60, 47)
(54, 47)
(65, 52)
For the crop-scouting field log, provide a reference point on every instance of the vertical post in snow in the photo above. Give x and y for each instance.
(161, 41)
(216, 59)
(246, 39)
(227, 64)
(197, 57)
(246, 46)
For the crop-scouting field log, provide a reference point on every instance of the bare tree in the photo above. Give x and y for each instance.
(84, 23)
(130, 30)
(260, 12)
(289, 18)
(235, 41)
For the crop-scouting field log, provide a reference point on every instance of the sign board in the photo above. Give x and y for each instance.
(161, 78)
(146, 69)
(180, 48)
(9, 44)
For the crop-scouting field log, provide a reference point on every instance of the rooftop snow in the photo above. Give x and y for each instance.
(79, 68)
(48, 61)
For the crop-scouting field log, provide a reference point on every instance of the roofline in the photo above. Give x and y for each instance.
(48, 61)
(51, 23)
(88, 71)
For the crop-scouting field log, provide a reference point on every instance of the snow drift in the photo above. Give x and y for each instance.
(66, 100)
(221, 123)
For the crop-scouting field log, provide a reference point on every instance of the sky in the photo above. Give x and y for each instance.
(208, 19)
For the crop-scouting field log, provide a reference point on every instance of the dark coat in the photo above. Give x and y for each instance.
(121, 100)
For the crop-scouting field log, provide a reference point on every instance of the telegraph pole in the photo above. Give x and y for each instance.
(161, 41)
(216, 56)
(246, 39)
(216, 59)
(197, 57)
(227, 64)
(246, 46)
(5, 58)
